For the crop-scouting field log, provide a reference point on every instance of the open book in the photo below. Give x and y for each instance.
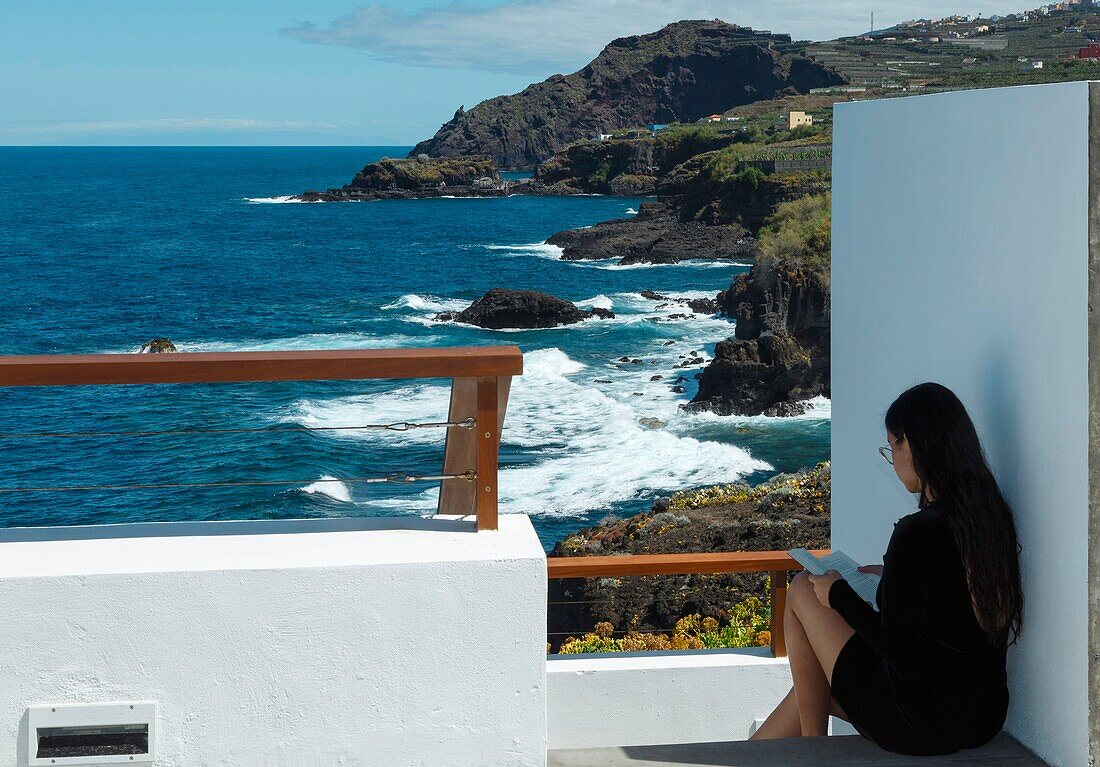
(864, 584)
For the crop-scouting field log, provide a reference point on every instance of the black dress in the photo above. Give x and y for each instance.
(919, 677)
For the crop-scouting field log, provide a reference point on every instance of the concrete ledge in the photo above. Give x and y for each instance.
(310, 642)
(846, 751)
(626, 699)
(154, 547)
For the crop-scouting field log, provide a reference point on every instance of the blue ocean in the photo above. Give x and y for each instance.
(102, 249)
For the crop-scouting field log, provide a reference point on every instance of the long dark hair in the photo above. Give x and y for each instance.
(948, 457)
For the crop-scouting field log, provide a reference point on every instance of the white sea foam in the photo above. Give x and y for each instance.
(286, 199)
(819, 409)
(421, 310)
(427, 303)
(329, 487)
(309, 341)
(590, 451)
(601, 301)
(407, 403)
(632, 211)
(695, 263)
(539, 249)
(629, 308)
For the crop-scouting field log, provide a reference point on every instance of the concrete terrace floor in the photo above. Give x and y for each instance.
(824, 751)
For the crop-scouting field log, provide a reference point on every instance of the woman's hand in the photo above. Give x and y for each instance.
(876, 569)
(822, 583)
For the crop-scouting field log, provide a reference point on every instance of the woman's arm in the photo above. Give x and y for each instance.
(909, 565)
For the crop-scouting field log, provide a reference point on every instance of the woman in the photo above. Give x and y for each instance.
(926, 674)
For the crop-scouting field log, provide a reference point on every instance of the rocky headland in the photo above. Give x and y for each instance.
(722, 191)
(787, 511)
(504, 308)
(778, 356)
(711, 205)
(626, 166)
(656, 235)
(680, 73)
(401, 179)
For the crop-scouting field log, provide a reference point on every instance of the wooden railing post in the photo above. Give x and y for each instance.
(459, 451)
(488, 449)
(779, 602)
(484, 398)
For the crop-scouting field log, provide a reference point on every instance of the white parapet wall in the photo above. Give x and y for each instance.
(960, 255)
(285, 644)
(646, 698)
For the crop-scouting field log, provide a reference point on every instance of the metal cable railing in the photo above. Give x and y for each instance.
(397, 477)
(468, 423)
(480, 381)
(775, 563)
(470, 475)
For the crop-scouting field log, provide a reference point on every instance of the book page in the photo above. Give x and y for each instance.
(864, 584)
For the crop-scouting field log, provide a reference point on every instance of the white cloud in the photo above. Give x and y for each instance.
(543, 36)
(185, 131)
(167, 125)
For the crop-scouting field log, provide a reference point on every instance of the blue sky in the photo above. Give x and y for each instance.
(329, 71)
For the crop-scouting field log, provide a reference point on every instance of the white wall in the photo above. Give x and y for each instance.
(327, 642)
(960, 248)
(645, 698)
(679, 696)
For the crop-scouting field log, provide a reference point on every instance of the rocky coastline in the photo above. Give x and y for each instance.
(685, 71)
(506, 308)
(421, 177)
(656, 235)
(787, 511)
(778, 356)
(719, 194)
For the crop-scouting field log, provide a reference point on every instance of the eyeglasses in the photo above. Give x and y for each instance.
(887, 451)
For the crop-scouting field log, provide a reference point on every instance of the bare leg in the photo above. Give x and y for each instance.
(782, 722)
(812, 691)
(812, 656)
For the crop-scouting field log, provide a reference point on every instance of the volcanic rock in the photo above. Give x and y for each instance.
(687, 70)
(506, 308)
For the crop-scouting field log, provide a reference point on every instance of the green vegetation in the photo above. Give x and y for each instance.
(798, 232)
(719, 610)
(812, 486)
(688, 139)
(747, 625)
(1052, 72)
(724, 164)
(801, 133)
(679, 142)
(984, 60)
(410, 174)
(750, 176)
(601, 176)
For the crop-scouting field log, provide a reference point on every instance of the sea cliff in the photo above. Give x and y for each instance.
(685, 71)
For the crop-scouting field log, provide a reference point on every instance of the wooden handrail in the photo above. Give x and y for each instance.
(481, 378)
(672, 564)
(776, 563)
(238, 367)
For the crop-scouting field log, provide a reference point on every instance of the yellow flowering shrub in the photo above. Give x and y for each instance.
(809, 485)
(748, 626)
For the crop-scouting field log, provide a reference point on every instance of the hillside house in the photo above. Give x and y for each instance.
(796, 119)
